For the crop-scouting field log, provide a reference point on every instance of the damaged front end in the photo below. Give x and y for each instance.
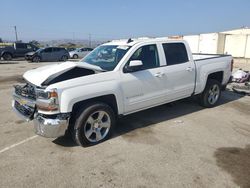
(29, 100)
(24, 103)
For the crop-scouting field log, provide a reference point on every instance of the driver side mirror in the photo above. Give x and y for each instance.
(133, 66)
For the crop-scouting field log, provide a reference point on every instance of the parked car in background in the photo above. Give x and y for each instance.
(79, 53)
(71, 49)
(7, 52)
(48, 54)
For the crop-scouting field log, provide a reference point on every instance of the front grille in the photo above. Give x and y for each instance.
(24, 110)
(27, 91)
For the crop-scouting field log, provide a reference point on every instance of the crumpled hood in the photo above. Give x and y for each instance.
(39, 75)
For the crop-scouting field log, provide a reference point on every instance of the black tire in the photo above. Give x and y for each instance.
(81, 125)
(7, 56)
(36, 59)
(211, 94)
(75, 56)
(64, 58)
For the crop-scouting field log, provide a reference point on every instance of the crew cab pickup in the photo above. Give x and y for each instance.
(17, 49)
(117, 78)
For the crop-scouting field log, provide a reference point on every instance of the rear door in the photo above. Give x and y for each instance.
(56, 54)
(180, 71)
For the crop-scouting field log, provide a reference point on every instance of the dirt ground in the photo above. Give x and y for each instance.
(174, 145)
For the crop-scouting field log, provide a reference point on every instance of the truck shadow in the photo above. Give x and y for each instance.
(166, 112)
(236, 162)
(131, 124)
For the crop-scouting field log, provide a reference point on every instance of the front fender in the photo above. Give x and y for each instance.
(71, 96)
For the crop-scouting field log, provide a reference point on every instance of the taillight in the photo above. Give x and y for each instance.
(232, 65)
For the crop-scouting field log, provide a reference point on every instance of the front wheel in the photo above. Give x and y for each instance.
(93, 124)
(36, 59)
(211, 94)
(75, 56)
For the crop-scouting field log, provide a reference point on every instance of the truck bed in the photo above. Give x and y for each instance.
(211, 63)
(199, 56)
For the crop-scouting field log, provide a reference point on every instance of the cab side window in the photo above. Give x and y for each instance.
(48, 50)
(175, 53)
(148, 55)
(21, 45)
(57, 49)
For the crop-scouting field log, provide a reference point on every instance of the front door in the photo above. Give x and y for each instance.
(145, 87)
(46, 54)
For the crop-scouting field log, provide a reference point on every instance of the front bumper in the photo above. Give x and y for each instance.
(50, 126)
(28, 57)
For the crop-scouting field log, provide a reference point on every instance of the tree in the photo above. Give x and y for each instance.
(70, 45)
(36, 43)
(1, 40)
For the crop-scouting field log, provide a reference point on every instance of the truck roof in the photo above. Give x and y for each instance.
(133, 41)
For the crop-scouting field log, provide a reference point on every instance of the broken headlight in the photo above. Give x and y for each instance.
(47, 100)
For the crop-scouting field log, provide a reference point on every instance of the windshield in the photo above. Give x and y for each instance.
(106, 57)
(40, 50)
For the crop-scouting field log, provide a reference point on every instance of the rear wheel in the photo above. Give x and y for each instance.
(36, 59)
(64, 58)
(7, 56)
(75, 56)
(211, 94)
(93, 124)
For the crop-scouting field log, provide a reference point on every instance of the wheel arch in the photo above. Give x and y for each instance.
(109, 99)
(37, 56)
(218, 76)
(7, 52)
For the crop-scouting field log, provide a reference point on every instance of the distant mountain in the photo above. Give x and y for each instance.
(78, 42)
(59, 42)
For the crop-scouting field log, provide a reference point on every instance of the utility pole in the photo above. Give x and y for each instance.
(89, 40)
(16, 33)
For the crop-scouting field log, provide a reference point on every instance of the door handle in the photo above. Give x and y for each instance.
(159, 74)
(190, 69)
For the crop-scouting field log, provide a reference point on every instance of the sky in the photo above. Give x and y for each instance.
(114, 19)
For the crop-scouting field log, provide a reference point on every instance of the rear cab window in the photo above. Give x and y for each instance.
(175, 53)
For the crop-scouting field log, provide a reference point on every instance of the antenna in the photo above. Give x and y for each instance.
(129, 40)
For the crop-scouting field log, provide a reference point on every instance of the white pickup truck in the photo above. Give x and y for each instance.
(115, 79)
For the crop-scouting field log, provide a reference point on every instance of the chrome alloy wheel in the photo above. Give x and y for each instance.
(97, 126)
(213, 94)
